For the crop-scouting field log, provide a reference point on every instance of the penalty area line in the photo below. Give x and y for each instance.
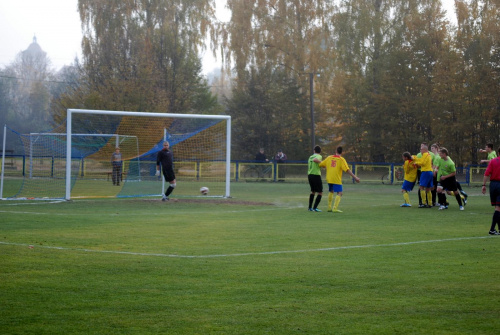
(248, 253)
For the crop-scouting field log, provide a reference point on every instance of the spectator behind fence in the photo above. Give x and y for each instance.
(281, 158)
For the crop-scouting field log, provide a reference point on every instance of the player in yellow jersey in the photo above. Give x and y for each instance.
(335, 165)
(426, 176)
(410, 177)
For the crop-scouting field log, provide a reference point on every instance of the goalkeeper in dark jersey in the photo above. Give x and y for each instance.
(166, 160)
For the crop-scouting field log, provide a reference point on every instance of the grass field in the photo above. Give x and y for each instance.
(258, 263)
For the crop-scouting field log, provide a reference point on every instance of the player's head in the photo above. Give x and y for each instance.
(443, 152)
(317, 149)
(339, 150)
(261, 150)
(117, 149)
(489, 146)
(166, 145)
(424, 147)
(406, 156)
(435, 147)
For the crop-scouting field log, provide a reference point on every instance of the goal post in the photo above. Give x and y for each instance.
(200, 145)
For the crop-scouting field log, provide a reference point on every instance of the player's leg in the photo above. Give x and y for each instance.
(459, 200)
(434, 191)
(330, 200)
(171, 186)
(462, 192)
(318, 188)
(495, 201)
(318, 200)
(330, 197)
(422, 197)
(170, 179)
(338, 189)
(495, 221)
(419, 194)
(311, 199)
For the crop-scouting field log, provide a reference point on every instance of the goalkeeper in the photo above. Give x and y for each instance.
(166, 160)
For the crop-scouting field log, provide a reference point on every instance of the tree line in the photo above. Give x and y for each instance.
(388, 74)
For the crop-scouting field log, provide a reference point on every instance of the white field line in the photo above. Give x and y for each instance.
(250, 253)
(273, 208)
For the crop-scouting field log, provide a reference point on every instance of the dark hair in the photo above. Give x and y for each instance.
(317, 149)
(490, 145)
(339, 150)
(444, 151)
(407, 155)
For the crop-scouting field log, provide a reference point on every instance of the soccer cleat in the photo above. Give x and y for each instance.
(422, 206)
(442, 207)
(316, 210)
(494, 232)
(462, 208)
(329, 210)
(337, 211)
(310, 209)
(405, 205)
(164, 198)
(427, 206)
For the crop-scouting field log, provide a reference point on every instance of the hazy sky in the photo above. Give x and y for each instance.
(56, 25)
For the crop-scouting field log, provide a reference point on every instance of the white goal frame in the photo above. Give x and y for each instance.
(70, 113)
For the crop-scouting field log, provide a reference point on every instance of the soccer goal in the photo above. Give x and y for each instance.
(74, 160)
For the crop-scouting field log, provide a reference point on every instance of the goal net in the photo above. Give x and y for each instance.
(74, 160)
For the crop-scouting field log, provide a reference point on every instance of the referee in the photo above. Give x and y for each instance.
(493, 173)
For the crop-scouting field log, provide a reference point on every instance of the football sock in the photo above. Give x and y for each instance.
(406, 196)
(419, 198)
(442, 199)
(433, 196)
(496, 219)
(429, 198)
(318, 199)
(311, 198)
(169, 190)
(330, 199)
(459, 199)
(423, 197)
(337, 200)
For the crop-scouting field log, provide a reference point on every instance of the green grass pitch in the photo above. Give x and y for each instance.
(257, 263)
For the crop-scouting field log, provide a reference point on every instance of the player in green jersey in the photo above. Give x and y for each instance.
(491, 153)
(446, 178)
(314, 178)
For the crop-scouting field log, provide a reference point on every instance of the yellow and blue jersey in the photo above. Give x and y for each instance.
(410, 171)
(335, 165)
(425, 162)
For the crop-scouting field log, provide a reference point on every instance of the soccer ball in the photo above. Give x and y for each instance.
(204, 190)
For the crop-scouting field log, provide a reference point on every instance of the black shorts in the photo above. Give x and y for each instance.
(495, 193)
(169, 175)
(315, 183)
(449, 184)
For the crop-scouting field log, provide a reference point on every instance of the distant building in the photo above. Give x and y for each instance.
(34, 62)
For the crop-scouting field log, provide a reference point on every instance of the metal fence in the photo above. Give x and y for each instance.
(252, 171)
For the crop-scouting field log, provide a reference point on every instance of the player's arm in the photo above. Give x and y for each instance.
(315, 160)
(158, 164)
(485, 179)
(353, 176)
